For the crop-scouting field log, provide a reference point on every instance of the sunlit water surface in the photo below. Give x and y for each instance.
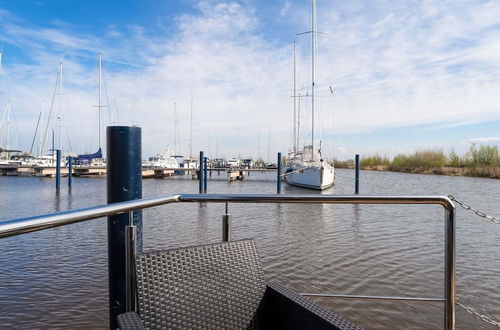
(57, 278)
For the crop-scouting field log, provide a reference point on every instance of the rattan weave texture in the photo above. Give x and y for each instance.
(129, 321)
(334, 319)
(170, 282)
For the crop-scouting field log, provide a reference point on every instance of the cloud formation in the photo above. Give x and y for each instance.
(410, 63)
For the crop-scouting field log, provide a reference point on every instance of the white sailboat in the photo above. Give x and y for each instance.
(307, 168)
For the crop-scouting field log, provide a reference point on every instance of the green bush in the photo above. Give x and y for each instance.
(374, 160)
(483, 155)
(419, 159)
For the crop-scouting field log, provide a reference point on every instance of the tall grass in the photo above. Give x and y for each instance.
(480, 160)
(375, 160)
(418, 160)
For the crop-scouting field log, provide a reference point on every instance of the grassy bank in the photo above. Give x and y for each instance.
(479, 161)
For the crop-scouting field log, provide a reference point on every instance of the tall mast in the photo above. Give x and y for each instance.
(298, 122)
(294, 98)
(8, 124)
(50, 111)
(60, 78)
(36, 129)
(175, 129)
(59, 108)
(313, 54)
(269, 144)
(191, 131)
(100, 92)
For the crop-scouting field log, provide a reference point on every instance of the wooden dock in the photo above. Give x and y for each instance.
(94, 171)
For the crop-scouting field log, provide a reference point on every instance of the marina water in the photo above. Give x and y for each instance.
(58, 277)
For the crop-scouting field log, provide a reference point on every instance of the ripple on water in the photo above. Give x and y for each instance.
(58, 277)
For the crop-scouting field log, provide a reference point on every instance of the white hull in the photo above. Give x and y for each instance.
(314, 176)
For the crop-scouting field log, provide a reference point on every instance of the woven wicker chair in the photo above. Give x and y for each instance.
(218, 286)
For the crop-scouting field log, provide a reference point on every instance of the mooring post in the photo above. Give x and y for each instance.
(205, 174)
(70, 171)
(124, 183)
(58, 169)
(356, 185)
(278, 176)
(200, 173)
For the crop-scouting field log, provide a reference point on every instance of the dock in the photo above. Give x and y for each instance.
(100, 171)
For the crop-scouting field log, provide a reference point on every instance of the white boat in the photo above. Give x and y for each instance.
(307, 168)
(233, 162)
(161, 161)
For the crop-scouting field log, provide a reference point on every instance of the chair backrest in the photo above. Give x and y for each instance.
(204, 287)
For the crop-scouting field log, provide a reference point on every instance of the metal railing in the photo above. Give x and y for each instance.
(30, 224)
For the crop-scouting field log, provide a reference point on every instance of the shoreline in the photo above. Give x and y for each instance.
(476, 172)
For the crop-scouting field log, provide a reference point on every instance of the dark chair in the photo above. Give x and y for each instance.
(218, 286)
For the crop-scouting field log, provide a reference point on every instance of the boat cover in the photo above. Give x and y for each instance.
(87, 158)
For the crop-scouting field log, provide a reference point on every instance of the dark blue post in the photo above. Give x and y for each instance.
(124, 181)
(205, 174)
(70, 171)
(278, 177)
(200, 172)
(356, 187)
(58, 169)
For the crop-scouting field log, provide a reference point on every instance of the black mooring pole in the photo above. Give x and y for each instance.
(70, 171)
(278, 177)
(200, 172)
(356, 185)
(58, 169)
(205, 174)
(124, 182)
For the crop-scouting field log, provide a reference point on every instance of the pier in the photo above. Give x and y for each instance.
(98, 171)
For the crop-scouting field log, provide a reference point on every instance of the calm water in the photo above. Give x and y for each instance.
(58, 277)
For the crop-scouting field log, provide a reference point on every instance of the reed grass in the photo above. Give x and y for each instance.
(479, 161)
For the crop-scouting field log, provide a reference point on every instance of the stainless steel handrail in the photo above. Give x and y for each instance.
(30, 224)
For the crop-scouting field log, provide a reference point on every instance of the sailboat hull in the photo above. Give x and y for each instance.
(317, 177)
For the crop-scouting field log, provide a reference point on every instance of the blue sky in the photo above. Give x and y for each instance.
(408, 75)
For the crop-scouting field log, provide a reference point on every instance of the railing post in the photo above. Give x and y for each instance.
(356, 184)
(130, 254)
(124, 181)
(449, 269)
(226, 226)
(205, 174)
(70, 171)
(278, 176)
(200, 173)
(58, 169)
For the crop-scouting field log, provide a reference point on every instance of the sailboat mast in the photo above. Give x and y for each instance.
(50, 111)
(60, 106)
(313, 53)
(36, 129)
(294, 98)
(8, 125)
(175, 129)
(100, 92)
(298, 121)
(191, 131)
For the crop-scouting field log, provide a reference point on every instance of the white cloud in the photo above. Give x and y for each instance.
(484, 139)
(412, 63)
(286, 7)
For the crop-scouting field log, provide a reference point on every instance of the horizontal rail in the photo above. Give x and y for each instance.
(30, 224)
(361, 297)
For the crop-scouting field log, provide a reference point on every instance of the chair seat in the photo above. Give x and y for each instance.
(218, 286)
